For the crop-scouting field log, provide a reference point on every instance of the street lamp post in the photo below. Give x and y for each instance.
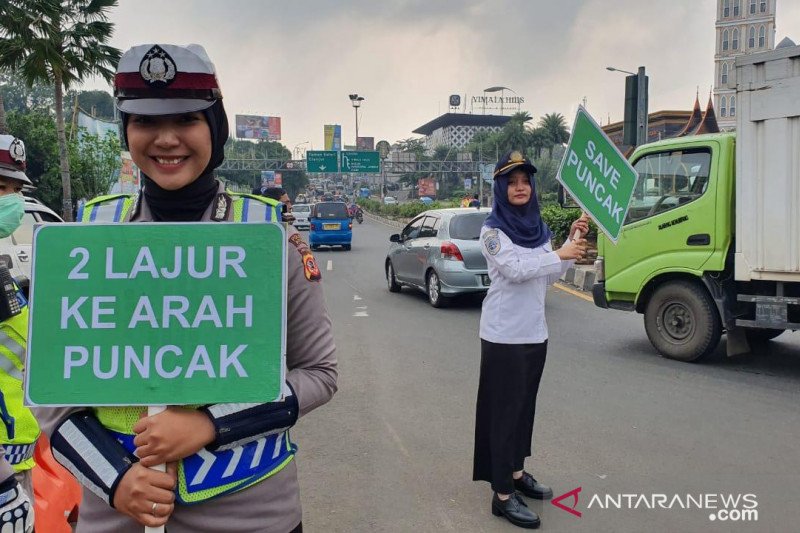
(641, 103)
(356, 101)
(296, 150)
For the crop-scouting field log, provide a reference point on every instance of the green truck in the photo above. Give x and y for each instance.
(711, 242)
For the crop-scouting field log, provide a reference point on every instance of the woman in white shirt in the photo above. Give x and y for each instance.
(513, 331)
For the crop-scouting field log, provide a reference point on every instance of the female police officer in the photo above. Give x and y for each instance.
(19, 430)
(175, 127)
(516, 244)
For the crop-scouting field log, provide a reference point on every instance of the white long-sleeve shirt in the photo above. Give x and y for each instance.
(513, 310)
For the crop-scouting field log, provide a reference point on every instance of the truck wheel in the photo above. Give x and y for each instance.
(762, 335)
(682, 322)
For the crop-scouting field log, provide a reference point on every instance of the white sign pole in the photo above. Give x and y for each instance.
(154, 410)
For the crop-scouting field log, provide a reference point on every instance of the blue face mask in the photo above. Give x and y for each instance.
(12, 208)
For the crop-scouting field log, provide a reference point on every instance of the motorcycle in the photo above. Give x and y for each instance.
(359, 216)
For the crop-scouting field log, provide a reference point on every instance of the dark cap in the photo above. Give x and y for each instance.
(165, 79)
(513, 160)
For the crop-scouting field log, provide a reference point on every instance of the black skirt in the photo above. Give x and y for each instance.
(509, 383)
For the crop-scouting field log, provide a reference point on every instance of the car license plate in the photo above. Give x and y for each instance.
(331, 226)
(485, 279)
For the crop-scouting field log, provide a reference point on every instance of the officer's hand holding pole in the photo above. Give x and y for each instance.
(171, 435)
(147, 495)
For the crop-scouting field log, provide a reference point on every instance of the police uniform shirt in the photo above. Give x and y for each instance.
(312, 373)
(513, 310)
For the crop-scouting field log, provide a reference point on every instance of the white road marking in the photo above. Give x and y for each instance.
(396, 439)
(330, 265)
(356, 297)
(360, 314)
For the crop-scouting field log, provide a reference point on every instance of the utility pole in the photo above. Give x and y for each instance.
(641, 107)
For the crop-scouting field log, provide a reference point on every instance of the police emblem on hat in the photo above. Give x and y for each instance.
(516, 157)
(17, 152)
(157, 68)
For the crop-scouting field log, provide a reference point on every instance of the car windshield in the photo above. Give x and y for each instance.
(332, 210)
(299, 208)
(468, 226)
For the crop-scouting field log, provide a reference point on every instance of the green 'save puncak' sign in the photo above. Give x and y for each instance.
(597, 175)
(149, 314)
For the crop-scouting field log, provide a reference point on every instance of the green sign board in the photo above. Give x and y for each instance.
(597, 175)
(322, 161)
(365, 162)
(155, 314)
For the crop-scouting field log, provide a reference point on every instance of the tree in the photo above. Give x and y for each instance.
(100, 101)
(555, 128)
(95, 159)
(60, 42)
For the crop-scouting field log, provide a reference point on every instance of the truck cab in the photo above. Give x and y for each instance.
(678, 232)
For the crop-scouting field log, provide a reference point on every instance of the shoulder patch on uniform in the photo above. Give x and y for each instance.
(310, 267)
(491, 240)
(222, 208)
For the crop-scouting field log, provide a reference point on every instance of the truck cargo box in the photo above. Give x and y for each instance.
(768, 165)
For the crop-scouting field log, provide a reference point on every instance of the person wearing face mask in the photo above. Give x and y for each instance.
(230, 467)
(19, 430)
(521, 261)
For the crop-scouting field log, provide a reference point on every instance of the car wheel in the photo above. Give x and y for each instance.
(682, 322)
(314, 247)
(346, 247)
(434, 289)
(391, 280)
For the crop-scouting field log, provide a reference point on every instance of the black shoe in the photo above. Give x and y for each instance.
(516, 511)
(531, 488)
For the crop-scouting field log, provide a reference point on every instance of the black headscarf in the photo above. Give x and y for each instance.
(189, 203)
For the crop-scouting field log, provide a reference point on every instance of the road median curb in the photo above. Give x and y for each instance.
(581, 277)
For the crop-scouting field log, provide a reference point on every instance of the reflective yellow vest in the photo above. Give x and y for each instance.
(19, 437)
(120, 420)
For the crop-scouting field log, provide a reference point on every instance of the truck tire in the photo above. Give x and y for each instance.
(682, 322)
(762, 335)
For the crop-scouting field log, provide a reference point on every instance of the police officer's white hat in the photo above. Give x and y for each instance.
(165, 79)
(12, 159)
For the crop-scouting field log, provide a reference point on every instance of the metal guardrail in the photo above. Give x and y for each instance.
(391, 167)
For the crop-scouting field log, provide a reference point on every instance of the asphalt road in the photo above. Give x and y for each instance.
(393, 450)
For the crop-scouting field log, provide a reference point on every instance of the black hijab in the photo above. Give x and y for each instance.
(189, 203)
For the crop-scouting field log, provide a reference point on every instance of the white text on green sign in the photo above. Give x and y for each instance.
(142, 314)
(599, 178)
(363, 161)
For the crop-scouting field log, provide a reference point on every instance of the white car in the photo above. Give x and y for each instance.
(389, 200)
(15, 250)
(301, 213)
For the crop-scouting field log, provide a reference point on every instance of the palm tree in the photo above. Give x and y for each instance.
(555, 128)
(60, 42)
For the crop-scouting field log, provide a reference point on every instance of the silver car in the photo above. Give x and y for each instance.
(439, 252)
(301, 213)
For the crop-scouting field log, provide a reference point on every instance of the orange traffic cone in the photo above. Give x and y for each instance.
(57, 493)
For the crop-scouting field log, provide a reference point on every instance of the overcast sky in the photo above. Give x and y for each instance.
(300, 59)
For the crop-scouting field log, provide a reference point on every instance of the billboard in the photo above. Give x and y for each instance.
(333, 137)
(258, 127)
(365, 143)
(268, 178)
(427, 187)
